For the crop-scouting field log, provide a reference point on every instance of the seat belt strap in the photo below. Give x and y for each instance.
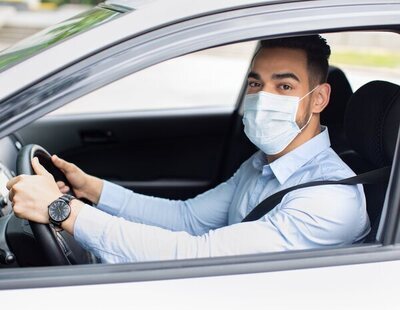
(377, 176)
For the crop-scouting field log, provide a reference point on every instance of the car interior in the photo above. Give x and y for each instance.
(178, 155)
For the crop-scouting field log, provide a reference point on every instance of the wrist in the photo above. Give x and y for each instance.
(95, 186)
(76, 206)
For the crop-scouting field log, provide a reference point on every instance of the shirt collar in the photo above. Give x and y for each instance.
(288, 164)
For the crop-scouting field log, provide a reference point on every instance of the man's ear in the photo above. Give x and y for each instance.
(321, 98)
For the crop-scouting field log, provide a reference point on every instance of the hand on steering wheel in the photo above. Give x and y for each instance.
(83, 186)
(58, 248)
(30, 195)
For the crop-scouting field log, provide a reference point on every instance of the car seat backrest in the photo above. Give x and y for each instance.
(371, 126)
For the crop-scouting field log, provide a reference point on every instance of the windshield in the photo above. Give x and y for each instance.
(55, 34)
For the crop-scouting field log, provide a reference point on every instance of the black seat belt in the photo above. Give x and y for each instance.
(378, 176)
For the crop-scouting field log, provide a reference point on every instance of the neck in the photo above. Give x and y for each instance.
(312, 129)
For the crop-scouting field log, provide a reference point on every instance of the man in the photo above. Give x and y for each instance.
(287, 91)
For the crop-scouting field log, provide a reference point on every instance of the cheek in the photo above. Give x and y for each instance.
(303, 112)
(251, 90)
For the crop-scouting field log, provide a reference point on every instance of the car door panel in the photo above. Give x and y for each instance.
(168, 154)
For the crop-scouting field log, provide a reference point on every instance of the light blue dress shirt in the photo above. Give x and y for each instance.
(130, 227)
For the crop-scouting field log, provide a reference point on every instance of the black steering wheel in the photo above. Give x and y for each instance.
(60, 248)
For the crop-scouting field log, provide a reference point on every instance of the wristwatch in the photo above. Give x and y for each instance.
(59, 210)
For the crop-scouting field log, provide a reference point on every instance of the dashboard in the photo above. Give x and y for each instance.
(9, 148)
(17, 243)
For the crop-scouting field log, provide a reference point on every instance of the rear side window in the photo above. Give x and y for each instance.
(366, 56)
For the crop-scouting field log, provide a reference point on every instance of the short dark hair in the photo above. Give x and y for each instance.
(317, 52)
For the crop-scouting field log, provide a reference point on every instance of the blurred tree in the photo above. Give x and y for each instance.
(60, 2)
(54, 34)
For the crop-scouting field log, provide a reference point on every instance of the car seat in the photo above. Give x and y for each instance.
(371, 126)
(333, 115)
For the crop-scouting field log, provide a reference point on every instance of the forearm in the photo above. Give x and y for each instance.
(116, 240)
(119, 201)
(196, 216)
(93, 189)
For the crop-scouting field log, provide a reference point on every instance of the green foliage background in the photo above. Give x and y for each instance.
(54, 34)
(60, 2)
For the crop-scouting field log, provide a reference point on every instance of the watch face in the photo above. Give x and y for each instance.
(59, 211)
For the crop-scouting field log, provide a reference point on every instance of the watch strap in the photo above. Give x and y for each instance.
(67, 198)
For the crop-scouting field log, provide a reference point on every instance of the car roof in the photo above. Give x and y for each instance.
(197, 6)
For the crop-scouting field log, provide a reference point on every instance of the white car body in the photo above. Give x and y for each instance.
(357, 277)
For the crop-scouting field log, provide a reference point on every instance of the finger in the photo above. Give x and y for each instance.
(60, 184)
(64, 189)
(38, 168)
(11, 195)
(12, 182)
(61, 163)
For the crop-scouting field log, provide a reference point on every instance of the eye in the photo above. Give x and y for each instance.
(285, 87)
(253, 84)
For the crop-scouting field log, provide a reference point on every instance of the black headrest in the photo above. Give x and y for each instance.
(372, 121)
(340, 93)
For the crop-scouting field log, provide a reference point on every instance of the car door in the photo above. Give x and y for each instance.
(358, 276)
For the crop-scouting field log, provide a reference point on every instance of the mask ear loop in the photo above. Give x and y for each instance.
(309, 119)
(309, 93)
(301, 129)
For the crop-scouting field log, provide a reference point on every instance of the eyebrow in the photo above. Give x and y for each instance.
(275, 76)
(285, 75)
(254, 75)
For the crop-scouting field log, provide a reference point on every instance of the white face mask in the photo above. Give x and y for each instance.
(270, 120)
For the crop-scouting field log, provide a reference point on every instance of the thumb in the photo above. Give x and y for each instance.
(38, 168)
(63, 165)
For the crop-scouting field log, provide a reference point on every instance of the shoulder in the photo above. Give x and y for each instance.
(328, 212)
(332, 214)
(332, 167)
(254, 163)
(323, 215)
(326, 166)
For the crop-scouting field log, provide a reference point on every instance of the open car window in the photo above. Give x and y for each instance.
(213, 77)
(205, 79)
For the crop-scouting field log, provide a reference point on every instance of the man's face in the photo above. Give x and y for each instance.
(282, 71)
